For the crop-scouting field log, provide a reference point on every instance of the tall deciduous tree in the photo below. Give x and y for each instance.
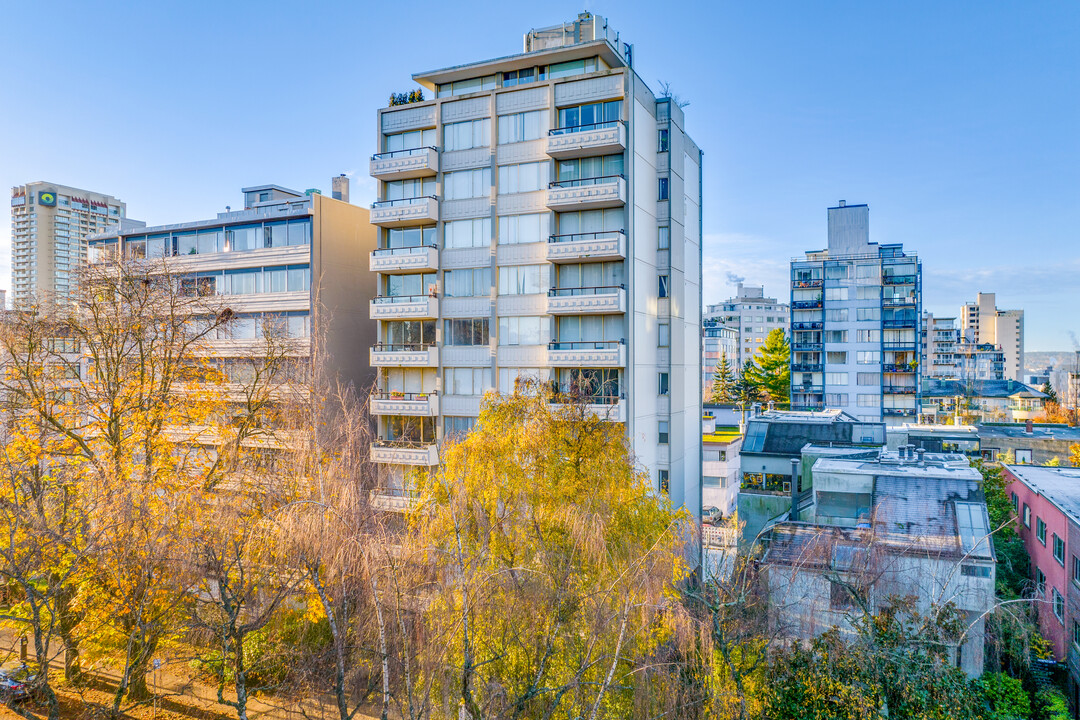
(770, 369)
(553, 556)
(723, 383)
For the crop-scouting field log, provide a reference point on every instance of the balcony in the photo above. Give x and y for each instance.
(812, 283)
(903, 323)
(604, 138)
(394, 261)
(901, 368)
(807, 407)
(587, 354)
(898, 279)
(405, 307)
(808, 389)
(576, 247)
(404, 355)
(402, 403)
(899, 389)
(404, 452)
(806, 304)
(611, 408)
(898, 412)
(603, 300)
(392, 500)
(807, 346)
(587, 194)
(900, 346)
(815, 325)
(898, 302)
(405, 164)
(405, 212)
(807, 367)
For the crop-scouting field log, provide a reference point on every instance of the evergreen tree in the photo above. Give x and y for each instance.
(771, 369)
(746, 389)
(723, 384)
(1048, 390)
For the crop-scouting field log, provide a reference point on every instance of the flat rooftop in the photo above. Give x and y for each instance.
(1059, 485)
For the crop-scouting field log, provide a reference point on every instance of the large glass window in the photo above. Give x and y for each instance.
(466, 331)
(595, 382)
(591, 114)
(470, 282)
(467, 184)
(467, 135)
(244, 237)
(242, 282)
(466, 381)
(519, 279)
(516, 229)
(590, 221)
(409, 285)
(467, 233)
(408, 237)
(406, 189)
(523, 330)
(523, 126)
(590, 275)
(463, 87)
(583, 170)
(572, 67)
(409, 332)
(211, 241)
(410, 140)
(592, 328)
(525, 177)
(186, 245)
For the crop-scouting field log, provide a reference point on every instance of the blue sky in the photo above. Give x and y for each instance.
(958, 122)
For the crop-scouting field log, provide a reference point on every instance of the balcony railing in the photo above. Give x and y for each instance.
(898, 301)
(899, 412)
(805, 304)
(406, 396)
(900, 389)
(596, 290)
(900, 346)
(402, 202)
(402, 347)
(402, 212)
(905, 323)
(807, 283)
(816, 325)
(586, 345)
(404, 153)
(574, 247)
(808, 389)
(405, 164)
(584, 182)
(899, 368)
(408, 250)
(392, 299)
(898, 279)
(807, 367)
(583, 128)
(807, 346)
(586, 237)
(807, 407)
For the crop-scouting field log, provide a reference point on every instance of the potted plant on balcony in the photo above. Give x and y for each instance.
(397, 394)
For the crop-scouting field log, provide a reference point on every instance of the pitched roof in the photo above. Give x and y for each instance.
(933, 387)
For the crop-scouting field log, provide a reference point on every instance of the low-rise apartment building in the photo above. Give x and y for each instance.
(910, 525)
(1047, 502)
(977, 401)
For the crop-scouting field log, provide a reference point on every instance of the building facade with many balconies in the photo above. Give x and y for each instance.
(290, 261)
(540, 218)
(856, 312)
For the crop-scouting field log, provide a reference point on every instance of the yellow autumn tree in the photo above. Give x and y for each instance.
(554, 559)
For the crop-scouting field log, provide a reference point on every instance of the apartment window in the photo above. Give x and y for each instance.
(979, 571)
(836, 272)
(466, 331)
(466, 381)
(1040, 530)
(583, 171)
(590, 221)
(662, 432)
(467, 233)
(1016, 502)
(840, 293)
(465, 184)
(458, 426)
(664, 481)
(663, 387)
(1059, 604)
(836, 400)
(1040, 581)
(472, 282)
(723, 456)
(519, 279)
(836, 378)
(524, 177)
(663, 238)
(406, 189)
(868, 292)
(1023, 457)
(867, 379)
(520, 77)
(463, 87)
(1076, 570)
(868, 336)
(662, 191)
(836, 357)
(409, 285)
(409, 332)
(663, 335)
(867, 271)
(1076, 633)
(836, 336)
(513, 379)
(409, 140)
(571, 67)
(600, 113)
(871, 357)
(1027, 515)
(868, 400)
(1059, 550)
(864, 314)
(467, 135)
(840, 597)
(520, 229)
(836, 315)
(662, 286)
(662, 141)
(522, 330)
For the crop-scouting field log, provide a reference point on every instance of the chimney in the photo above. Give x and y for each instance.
(1029, 427)
(340, 188)
(843, 203)
(922, 460)
(770, 406)
(794, 514)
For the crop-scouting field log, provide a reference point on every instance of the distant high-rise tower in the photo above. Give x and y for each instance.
(49, 227)
(540, 217)
(855, 323)
(983, 324)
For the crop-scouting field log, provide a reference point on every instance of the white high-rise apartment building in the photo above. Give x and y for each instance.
(982, 323)
(539, 216)
(49, 227)
(753, 316)
(940, 337)
(855, 323)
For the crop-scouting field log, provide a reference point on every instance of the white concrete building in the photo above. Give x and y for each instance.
(981, 322)
(540, 216)
(753, 316)
(856, 312)
(49, 227)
